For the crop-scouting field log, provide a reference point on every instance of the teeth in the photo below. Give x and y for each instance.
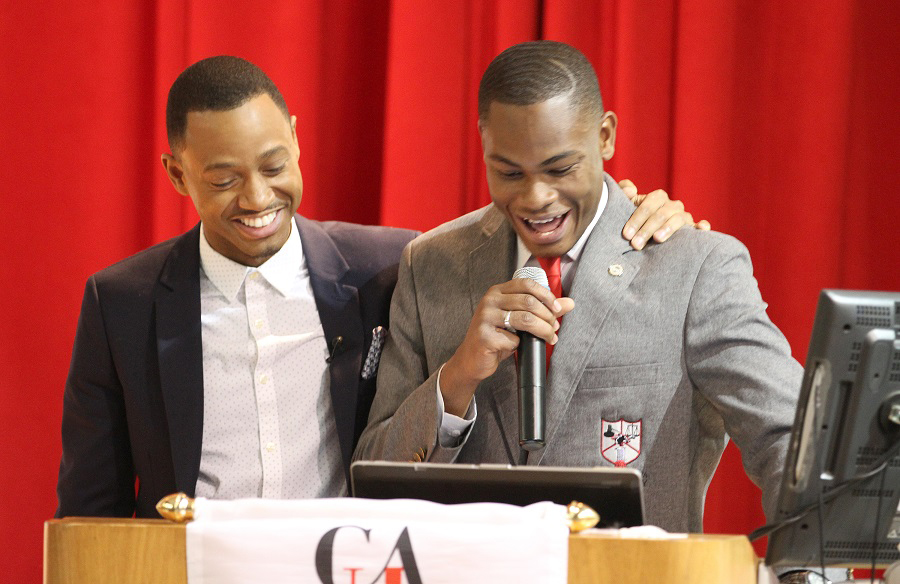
(542, 221)
(259, 221)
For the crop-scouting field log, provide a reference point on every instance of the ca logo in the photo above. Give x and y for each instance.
(393, 575)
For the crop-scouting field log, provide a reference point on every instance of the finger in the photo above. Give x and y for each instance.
(540, 325)
(492, 336)
(629, 189)
(529, 323)
(524, 321)
(528, 287)
(503, 341)
(567, 305)
(516, 305)
(647, 205)
(668, 219)
(518, 312)
(676, 222)
(531, 304)
(672, 224)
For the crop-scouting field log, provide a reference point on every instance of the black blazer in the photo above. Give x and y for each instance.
(133, 404)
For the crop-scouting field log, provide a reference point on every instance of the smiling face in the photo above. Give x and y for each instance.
(545, 169)
(240, 168)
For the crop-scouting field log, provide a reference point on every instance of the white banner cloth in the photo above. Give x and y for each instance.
(363, 541)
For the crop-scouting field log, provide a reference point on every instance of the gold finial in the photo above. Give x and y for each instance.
(178, 507)
(580, 517)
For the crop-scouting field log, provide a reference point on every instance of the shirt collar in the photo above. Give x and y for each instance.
(523, 255)
(279, 270)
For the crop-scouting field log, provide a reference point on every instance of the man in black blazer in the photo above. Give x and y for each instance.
(134, 399)
(142, 416)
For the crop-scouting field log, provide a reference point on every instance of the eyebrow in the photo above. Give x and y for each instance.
(548, 162)
(267, 154)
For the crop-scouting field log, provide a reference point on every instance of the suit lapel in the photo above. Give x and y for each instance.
(596, 291)
(492, 263)
(339, 311)
(180, 354)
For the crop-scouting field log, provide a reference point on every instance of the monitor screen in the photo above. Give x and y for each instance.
(841, 485)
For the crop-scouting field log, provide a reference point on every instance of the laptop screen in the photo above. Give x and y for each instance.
(615, 493)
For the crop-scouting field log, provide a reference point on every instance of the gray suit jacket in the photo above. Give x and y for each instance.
(679, 341)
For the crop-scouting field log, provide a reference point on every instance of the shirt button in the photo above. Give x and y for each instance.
(264, 379)
(270, 447)
(258, 323)
(254, 275)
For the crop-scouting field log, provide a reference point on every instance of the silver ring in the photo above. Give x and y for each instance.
(506, 324)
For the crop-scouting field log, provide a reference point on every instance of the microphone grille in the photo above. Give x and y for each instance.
(536, 274)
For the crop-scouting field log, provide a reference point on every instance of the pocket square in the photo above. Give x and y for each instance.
(370, 367)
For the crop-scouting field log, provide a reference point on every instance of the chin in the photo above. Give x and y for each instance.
(554, 249)
(264, 254)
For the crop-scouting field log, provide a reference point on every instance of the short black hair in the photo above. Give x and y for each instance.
(219, 84)
(536, 71)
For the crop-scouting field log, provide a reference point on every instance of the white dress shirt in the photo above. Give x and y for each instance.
(268, 422)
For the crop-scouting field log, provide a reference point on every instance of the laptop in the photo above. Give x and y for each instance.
(615, 493)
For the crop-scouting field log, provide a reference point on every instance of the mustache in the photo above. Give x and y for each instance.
(266, 211)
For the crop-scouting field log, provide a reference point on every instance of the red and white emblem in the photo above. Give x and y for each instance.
(621, 441)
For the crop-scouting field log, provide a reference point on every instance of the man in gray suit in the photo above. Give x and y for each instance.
(661, 351)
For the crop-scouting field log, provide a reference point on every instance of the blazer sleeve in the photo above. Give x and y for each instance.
(742, 364)
(404, 419)
(96, 476)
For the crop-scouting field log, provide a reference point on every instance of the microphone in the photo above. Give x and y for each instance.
(532, 373)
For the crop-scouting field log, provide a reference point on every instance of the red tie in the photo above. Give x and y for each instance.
(551, 266)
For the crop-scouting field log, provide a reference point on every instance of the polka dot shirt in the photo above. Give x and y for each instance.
(268, 422)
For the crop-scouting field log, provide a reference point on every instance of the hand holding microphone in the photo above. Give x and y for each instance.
(521, 304)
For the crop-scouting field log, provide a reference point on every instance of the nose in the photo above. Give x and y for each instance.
(539, 194)
(256, 195)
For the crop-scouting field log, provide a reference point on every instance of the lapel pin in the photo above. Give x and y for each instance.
(616, 270)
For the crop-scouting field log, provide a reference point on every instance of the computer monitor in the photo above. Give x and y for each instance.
(841, 484)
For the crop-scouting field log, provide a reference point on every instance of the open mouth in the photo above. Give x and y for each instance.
(258, 222)
(545, 230)
(260, 226)
(546, 224)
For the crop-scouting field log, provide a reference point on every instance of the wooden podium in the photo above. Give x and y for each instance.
(100, 551)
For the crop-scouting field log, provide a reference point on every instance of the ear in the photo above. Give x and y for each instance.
(482, 128)
(608, 124)
(175, 173)
(294, 132)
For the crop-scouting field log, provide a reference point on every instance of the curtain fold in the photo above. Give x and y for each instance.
(777, 121)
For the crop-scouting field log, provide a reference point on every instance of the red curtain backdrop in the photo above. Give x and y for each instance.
(775, 120)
